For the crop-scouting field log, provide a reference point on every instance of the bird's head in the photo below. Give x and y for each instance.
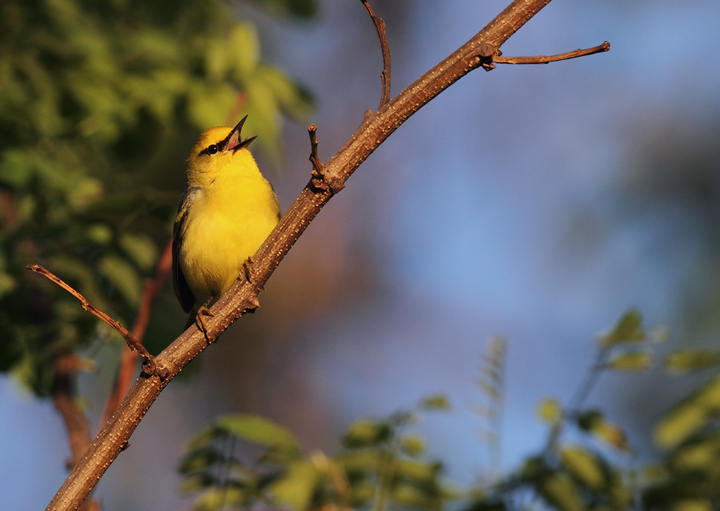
(215, 149)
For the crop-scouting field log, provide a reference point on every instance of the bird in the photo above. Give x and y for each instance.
(227, 211)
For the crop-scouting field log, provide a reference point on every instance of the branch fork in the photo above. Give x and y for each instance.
(150, 367)
(321, 180)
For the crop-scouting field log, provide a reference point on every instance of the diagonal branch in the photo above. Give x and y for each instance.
(375, 129)
(385, 48)
(545, 59)
(131, 341)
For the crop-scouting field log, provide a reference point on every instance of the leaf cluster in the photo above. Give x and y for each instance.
(380, 465)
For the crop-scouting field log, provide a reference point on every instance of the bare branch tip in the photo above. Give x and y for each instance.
(546, 59)
(385, 49)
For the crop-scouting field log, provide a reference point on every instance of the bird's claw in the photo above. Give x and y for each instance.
(200, 319)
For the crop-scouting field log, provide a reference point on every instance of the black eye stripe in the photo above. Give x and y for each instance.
(210, 150)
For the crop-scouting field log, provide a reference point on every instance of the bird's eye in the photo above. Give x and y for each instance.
(212, 149)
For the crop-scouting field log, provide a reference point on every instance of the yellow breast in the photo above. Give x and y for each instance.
(232, 212)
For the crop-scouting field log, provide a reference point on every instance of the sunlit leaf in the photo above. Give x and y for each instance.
(683, 360)
(549, 410)
(693, 505)
(436, 402)
(243, 51)
(365, 433)
(628, 329)
(689, 416)
(219, 497)
(123, 277)
(140, 249)
(630, 361)
(258, 430)
(560, 491)
(295, 488)
(584, 466)
(594, 422)
(412, 445)
(421, 472)
(415, 497)
(360, 461)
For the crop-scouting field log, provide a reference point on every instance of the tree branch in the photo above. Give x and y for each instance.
(385, 48)
(375, 129)
(78, 426)
(131, 341)
(543, 59)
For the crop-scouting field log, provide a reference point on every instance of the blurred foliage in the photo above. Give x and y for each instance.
(380, 465)
(586, 463)
(99, 105)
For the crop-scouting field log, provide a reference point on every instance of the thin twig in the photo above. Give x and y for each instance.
(385, 48)
(131, 341)
(320, 180)
(129, 358)
(546, 59)
(581, 393)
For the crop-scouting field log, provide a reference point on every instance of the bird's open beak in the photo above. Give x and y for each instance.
(234, 141)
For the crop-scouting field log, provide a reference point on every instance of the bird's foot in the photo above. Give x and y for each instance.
(200, 319)
(247, 269)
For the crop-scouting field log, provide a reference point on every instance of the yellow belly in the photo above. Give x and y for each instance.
(223, 230)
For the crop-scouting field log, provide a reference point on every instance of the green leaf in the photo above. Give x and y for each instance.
(295, 488)
(418, 471)
(683, 360)
(693, 505)
(209, 105)
(549, 410)
(362, 461)
(101, 234)
(123, 276)
(365, 433)
(140, 249)
(560, 491)
(292, 8)
(243, 51)
(594, 422)
(199, 460)
(412, 496)
(436, 402)
(258, 430)
(630, 361)
(412, 445)
(585, 467)
(690, 415)
(204, 437)
(628, 329)
(699, 455)
(197, 482)
(293, 99)
(218, 498)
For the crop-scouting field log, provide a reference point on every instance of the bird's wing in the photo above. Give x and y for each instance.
(182, 290)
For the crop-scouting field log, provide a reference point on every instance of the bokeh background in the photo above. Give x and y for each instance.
(537, 203)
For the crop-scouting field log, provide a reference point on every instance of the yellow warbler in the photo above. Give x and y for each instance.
(225, 214)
